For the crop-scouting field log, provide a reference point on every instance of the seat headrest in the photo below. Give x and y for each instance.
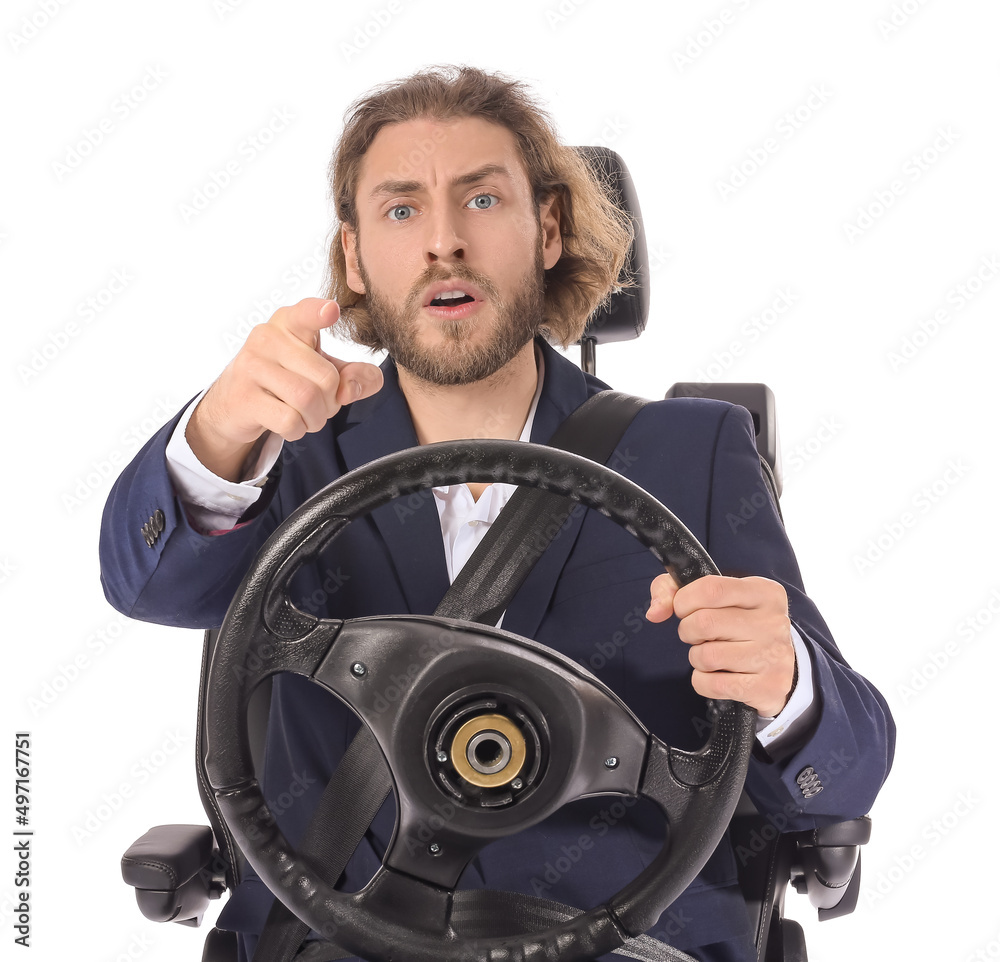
(624, 317)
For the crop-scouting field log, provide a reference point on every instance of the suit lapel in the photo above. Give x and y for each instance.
(564, 389)
(409, 526)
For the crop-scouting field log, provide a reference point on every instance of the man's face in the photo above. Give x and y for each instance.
(446, 207)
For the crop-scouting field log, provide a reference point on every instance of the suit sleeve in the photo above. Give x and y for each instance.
(833, 771)
(155, 565)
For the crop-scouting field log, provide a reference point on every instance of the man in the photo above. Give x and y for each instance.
(466, 230)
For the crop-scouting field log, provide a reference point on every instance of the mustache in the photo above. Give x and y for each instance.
(456, 272)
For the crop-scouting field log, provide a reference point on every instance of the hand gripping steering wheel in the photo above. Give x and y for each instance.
(495, 730)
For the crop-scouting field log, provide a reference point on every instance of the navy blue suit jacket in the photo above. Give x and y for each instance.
(585, 597)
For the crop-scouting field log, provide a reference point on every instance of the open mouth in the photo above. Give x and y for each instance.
(450, 299)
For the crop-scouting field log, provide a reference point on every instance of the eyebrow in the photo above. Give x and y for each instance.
(413, 186)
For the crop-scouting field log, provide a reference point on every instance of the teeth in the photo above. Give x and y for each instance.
(450, 295)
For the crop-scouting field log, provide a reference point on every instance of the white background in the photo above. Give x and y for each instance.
(896, 568)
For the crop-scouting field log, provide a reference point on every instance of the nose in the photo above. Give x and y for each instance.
(444, 242)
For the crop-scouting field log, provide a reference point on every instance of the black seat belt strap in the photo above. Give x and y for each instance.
(532, 518)
(480, 593)
(335, 830)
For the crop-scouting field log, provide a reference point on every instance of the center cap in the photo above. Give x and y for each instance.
(488, 750)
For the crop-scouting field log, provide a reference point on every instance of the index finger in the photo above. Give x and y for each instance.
(304, 321)
(719, 591)
(307, 318)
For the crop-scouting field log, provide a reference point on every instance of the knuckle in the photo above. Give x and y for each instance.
(259, 334)
(701, 682)
(662, 586)
(281, 317)
(660, 582)
(687, 631)
(289, 425)
(329, 383)
(780, 639)
(251, 365)
(772, 591)
(697, 658)
(247, 374)
(263, 338)
(710, 658)
(705, 623)
(719, 684)
(302, 394)
(715, 589)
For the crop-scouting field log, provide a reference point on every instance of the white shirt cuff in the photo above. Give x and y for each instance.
(801, 707)
(214, 504)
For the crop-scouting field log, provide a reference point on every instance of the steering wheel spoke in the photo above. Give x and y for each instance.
(674, 777)
(246, 653)
(412, 904)
(692, 789)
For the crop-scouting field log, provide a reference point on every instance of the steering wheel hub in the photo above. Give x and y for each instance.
(488, 751)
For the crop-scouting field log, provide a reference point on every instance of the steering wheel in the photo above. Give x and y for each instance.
(501, 728)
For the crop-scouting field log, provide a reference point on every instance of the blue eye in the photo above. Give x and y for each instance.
(402, 212)
(483, 201)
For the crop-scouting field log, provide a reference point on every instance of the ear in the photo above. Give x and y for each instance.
(349, 242)
(549, 213)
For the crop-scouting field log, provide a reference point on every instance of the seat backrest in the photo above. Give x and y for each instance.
(758, 399)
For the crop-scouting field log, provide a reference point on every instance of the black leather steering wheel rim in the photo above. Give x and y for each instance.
(264, 633)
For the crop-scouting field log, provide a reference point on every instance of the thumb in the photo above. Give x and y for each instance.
(358, 379)
(661, 598)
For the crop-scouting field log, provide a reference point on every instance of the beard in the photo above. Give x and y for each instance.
(457, 360)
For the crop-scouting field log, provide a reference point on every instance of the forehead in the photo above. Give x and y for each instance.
(432, 153)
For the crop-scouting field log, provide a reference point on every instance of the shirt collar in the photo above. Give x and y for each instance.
(445, 492)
